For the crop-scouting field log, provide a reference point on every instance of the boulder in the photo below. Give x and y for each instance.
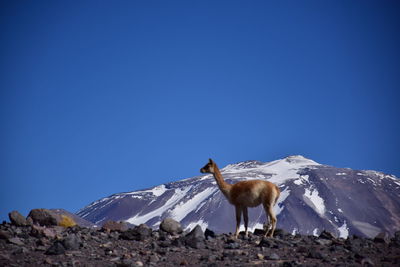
(171, 226)
(44, 217)
(16, 241)
(56, 249)
(71, 242)
(143, 231)
(382, 237)
(66, 221)
(5, 234)
(195, 239)
(139, 233)
(326, 235)
(209, 233)
(115, 226)
(17, 219)
(41, 231)
(259, 232)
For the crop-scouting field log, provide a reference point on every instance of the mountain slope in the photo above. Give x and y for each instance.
(313, 197)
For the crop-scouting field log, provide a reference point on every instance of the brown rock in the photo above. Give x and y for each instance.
(5, 234)
(17, 219)
(382, 237)
(16, 241)
(171, 226)
(115, 226)
(48, 232)
(44, 217)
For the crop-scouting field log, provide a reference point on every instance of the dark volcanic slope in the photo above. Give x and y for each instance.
(141, 246)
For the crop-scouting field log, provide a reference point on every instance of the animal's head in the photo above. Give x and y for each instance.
(209, 167)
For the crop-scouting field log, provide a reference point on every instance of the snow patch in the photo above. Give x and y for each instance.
(315, 232)
(279, 206)
(179, 194)
(185, 207)
(312, 198)
(343, 230)
(279, 171)
(158, 190)
(303, 179)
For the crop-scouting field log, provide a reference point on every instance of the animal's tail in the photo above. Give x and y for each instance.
(278, 192)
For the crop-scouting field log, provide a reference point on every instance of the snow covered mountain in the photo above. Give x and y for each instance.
(314, 198)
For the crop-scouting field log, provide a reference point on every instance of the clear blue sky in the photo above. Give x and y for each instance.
(102, 97)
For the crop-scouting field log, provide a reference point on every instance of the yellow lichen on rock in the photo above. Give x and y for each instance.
(66, 221)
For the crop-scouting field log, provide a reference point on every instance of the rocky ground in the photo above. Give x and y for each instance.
(34, 245)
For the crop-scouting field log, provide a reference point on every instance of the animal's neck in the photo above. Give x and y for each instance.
(223, 186)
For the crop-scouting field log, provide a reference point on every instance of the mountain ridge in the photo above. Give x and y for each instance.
(314, 197)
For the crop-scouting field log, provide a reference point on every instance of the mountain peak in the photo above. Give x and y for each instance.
(299, 159)
(244, 165)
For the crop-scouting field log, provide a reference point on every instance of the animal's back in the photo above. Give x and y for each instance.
(250, 193)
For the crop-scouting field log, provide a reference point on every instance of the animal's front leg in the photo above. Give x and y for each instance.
(246, 220)
(238, 218)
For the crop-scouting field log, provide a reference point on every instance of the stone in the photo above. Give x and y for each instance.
(29, 221)
(279, 232)
(171, 226)
(273, 256)
(130, 234)
(17, 219)
(5, 234)
(367, 262)
(178, 242)
(195, 239)
(115, 226)
(71, 242)
(397, 235)
(56, 249)
(66, 221)
(48, 261)
(326, 235)
(233, 245)
(208, 233)
(16, 241)
(41, 231)
(139, 233)
(323, 242)
(259, 232)
(143, 232)
(266, 242)
(44, 217)
(5, 257)
(314, 254)
(21, 250)
(382, 237)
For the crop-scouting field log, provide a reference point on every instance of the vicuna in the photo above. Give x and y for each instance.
(246, 194)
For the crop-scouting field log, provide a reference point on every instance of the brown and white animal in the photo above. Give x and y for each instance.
(246, 194)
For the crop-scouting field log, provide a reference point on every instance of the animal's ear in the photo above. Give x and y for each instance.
(210, 161)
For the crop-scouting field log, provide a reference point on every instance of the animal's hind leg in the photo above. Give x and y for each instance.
(238, 217)
(272, 221)
(267, 225)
